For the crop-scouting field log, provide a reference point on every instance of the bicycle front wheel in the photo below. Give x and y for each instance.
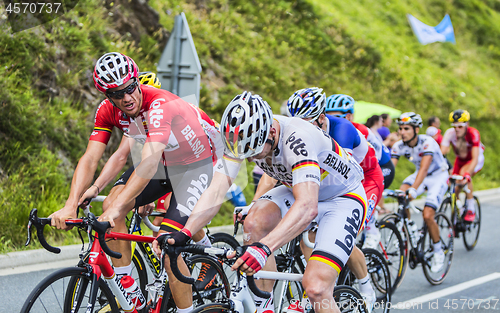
(392, 248)
(380, 279)
(446, 237)
(349, 300)
(58, 293)
(471, 230)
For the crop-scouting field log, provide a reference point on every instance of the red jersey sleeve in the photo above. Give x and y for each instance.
(102, 125)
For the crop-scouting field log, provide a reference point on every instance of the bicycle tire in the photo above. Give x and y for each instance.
(225, 238)
(380, 278)
(219, 290)
(446, 234)
(471, 233)
(213, 308)
(57, 283)
(392, 248)
(403, 231)
(349, 300)
(445, 207)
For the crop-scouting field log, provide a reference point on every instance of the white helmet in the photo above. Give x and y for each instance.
(410, 118)
(114, 69)
(245, 125)
(307, 103)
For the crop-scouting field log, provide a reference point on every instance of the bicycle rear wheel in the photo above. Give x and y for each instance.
(446, 236)
(58, 292)
(471, 231)
(392, 248)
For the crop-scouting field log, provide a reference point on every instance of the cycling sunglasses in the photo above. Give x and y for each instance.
(120, 94)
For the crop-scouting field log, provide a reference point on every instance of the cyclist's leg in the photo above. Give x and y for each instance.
(265, 214)
(407, 183)
(154, 190)
(188, 182)
(339, 221)
(468, 169)
(436, 185)
(374, 186)
(121, 246)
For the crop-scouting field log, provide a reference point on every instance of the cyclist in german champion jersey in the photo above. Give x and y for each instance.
(320, 181)
(469, 152)
(340, 107)
(309, 104)
(179, 149)
(431, 174)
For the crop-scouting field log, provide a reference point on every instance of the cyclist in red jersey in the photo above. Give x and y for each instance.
(466, 143)
(343, 106)
(180, 143)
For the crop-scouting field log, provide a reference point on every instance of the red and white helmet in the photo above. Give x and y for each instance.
(114, 69)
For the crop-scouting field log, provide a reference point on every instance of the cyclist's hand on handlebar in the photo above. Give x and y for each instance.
(91, 193)
(59, 217)
(240, 212)
(254, 258)
(147, 209)
(176, 238)
(110, 215)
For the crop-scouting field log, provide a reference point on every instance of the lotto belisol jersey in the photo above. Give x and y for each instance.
(463, 146)
(305, 153)
(188, 133)
(426, 145)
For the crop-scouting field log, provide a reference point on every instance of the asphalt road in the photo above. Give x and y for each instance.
(474, 276)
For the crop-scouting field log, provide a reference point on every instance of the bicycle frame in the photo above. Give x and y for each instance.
(101, 265)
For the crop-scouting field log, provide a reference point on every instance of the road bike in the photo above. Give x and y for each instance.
(82, 288)
(450, 207)
(419, 249)
(142, 252)
(240, 299)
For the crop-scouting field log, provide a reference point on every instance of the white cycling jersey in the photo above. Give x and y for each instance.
(426, 145)
(307, 153)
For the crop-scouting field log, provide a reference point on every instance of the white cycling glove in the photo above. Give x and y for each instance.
(412, 192)
(243, 209)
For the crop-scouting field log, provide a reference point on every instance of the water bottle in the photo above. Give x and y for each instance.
(413, 229)
(236, 196)
(133, 291)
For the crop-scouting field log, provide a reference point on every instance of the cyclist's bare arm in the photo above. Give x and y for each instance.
(445, 149)
(82, 179)
(151, 156)
(209, 204)
(113, 166)
(266, 183)
(298, 217)
(422, 172)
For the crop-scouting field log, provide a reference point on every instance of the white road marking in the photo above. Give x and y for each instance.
(448, 291)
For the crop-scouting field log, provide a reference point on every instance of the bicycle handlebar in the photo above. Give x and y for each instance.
(173, 253)
(99, 227)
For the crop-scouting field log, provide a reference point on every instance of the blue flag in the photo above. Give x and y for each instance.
(427, 34)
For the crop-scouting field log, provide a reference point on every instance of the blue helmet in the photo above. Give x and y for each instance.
(307, 103)
(341, 103)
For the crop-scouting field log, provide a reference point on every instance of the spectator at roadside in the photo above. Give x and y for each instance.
(433, 129)
(386, 123)
(374, 123)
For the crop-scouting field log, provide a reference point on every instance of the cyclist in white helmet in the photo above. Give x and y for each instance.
(431, 174)
(312, 109)
(320, 181)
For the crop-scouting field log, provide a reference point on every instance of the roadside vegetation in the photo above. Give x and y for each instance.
(364, 48)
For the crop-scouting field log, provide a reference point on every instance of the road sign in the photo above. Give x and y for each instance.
(179, 67)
